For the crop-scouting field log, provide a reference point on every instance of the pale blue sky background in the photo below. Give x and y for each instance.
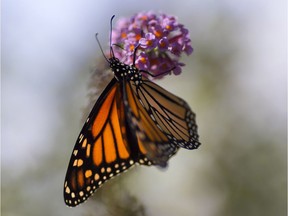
(48, 49)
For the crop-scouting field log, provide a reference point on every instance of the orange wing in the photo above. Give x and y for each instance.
(102, 149)
(153, 142)
(171, 114)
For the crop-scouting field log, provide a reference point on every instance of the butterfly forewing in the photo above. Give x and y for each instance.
(151, 140)
(105, 147)
(101, 150)
(170, 113)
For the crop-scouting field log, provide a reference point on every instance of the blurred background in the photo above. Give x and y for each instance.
(235, 81)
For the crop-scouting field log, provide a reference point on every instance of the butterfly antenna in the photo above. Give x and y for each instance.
(96, 36)
(111, 49)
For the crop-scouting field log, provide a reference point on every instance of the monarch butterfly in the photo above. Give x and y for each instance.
(133, 121)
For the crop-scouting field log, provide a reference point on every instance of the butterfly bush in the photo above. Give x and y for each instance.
(159, 38)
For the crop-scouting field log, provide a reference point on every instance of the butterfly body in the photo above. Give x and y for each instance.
(133, 121)
(123, 71)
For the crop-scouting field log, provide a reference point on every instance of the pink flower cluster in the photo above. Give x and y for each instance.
(160, 39)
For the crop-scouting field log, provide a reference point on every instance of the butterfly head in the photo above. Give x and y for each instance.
(121, 70)
(124, 71)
